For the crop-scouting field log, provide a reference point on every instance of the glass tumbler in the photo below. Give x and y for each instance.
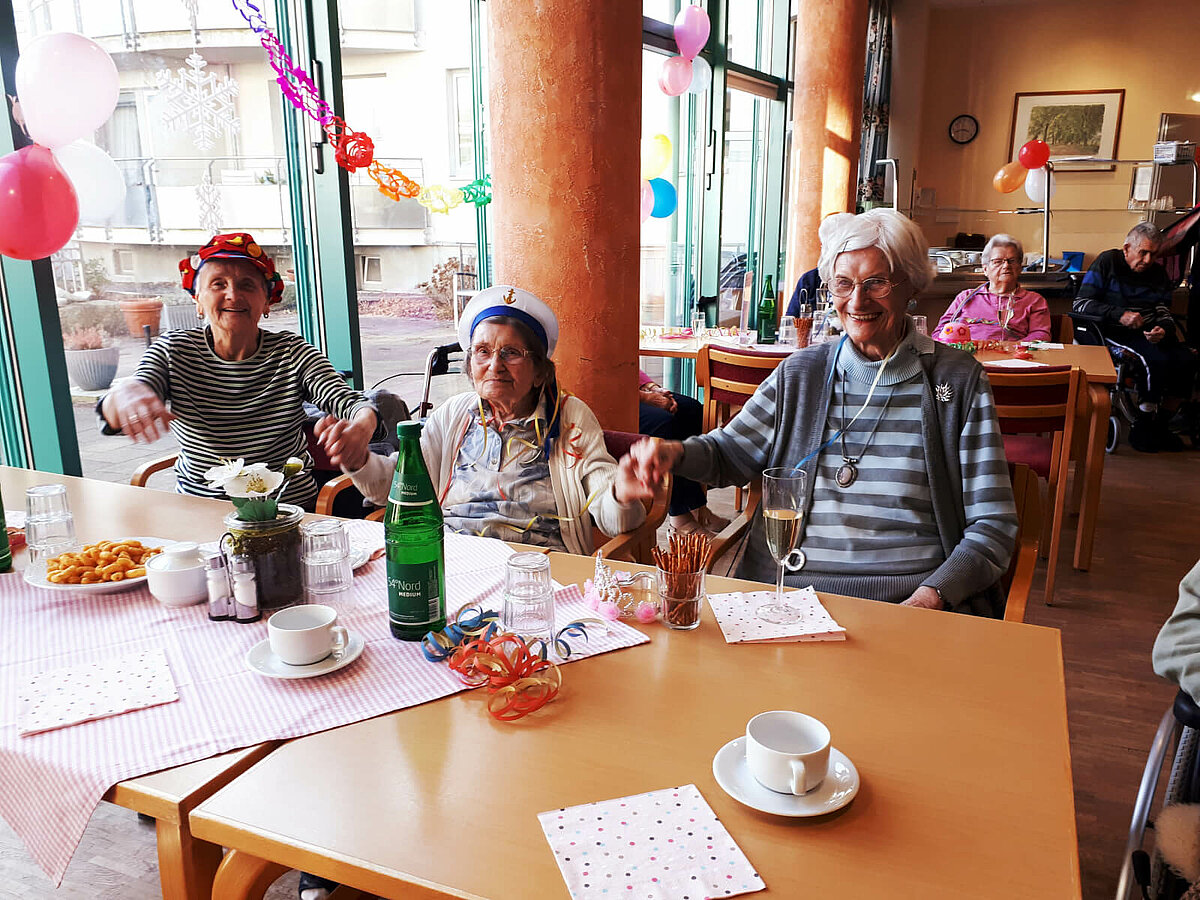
(49, 525)
(325, 555)
(529, 596)
(787, 331)
(680, 597)
(921, 324)
(697, 327)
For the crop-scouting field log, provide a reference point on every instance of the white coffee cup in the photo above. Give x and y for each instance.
(787, 752)
(303, 635)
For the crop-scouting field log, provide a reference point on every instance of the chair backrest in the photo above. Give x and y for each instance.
(1062, 328)
(1034, 401)
(1018, 580)
(729, 378)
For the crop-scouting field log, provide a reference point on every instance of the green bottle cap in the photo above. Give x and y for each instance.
(408, 430)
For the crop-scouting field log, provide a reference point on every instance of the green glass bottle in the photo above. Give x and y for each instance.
(416, 550)
(5, 551)
(766, 314)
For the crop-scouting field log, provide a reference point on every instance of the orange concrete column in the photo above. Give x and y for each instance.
(826, 123)
(566, 112)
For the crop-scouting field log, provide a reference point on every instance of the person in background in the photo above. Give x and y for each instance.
(1129, 295)
(805, 292)
(665, 414)
(231, 390)
(982, 309)
(910, 500)
(1177, 648)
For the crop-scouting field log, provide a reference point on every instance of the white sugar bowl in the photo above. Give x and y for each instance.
(176, 576)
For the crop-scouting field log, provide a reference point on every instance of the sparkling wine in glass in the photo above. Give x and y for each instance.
(1004, 310)
(783, 502)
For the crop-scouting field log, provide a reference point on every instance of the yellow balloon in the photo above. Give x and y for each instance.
(656, 155)
(1010, 177)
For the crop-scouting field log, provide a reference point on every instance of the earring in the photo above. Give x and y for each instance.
(199, 312)
(266, 314)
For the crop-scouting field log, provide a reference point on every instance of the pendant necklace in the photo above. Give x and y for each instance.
(847, 473)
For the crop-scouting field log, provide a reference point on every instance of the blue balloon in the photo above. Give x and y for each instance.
(665, 199)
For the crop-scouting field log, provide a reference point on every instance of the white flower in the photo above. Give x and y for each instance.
(228, 470)
(254, 481)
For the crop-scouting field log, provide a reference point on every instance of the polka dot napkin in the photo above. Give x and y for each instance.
(664, 845)
(737, 614)
(80, 693)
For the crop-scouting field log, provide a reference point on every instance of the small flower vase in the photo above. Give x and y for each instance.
(274, 546)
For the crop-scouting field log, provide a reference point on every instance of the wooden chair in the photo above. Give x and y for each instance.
(1018, 580)
(729, 378)
(1036, 409)
(143, 472)
(633, 546)
(1062, 329)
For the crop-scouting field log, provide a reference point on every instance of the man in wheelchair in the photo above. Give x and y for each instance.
(1128, 294)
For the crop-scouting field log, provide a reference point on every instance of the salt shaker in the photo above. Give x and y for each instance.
(245, 589)
(220, 595)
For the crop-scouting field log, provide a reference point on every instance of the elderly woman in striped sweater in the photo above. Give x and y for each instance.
(910, 501)
(231, 390)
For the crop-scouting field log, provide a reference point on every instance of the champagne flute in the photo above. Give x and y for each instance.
(783, 502)
(1004, 311)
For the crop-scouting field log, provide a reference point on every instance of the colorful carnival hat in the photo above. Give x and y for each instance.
(237, 245)
(506, 300)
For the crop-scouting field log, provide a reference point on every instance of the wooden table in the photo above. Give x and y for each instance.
(1091, 431)
(186, 866)
(687, 349)
(957, 725)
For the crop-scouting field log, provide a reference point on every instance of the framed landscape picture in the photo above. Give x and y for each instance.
(1083, 123)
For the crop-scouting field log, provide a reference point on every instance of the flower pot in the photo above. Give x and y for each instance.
(275, 548)
(141, 311)
(180, 317)
(93, 370)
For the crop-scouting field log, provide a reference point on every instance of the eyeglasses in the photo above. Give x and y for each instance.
(1001, 262)
(482, 354)
(875, 288)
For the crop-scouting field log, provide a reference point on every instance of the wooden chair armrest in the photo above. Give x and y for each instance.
(376, 515)
(143, 472)
(328, 493)
(634, 546)
(623, 546)
(731, 535)
(1027, 555)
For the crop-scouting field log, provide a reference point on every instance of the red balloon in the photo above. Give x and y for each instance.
(38, 206)
(1034, 154)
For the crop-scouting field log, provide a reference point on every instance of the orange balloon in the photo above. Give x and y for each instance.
(1010, 177)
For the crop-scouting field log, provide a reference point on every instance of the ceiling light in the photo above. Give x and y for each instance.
(1195, 96)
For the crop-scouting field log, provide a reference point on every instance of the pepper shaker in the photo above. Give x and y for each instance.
(245, 589)
(220, 593)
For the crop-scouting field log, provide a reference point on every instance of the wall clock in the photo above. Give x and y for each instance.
(963, 129)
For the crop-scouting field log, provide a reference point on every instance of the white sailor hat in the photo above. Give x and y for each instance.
(506, 300)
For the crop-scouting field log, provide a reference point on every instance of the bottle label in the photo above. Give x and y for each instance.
(414, 592)
(411, 492)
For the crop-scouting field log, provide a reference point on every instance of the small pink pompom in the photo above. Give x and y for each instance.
(646, 612)
(590, 595)
(609, 610)
(955, 333)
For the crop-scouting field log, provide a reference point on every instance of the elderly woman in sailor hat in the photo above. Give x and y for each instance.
(516, 458)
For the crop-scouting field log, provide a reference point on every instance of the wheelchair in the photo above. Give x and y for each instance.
(1143, 873)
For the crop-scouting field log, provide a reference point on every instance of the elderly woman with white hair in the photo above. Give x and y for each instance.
(1000, 309)
(910, 501)
(516, 458)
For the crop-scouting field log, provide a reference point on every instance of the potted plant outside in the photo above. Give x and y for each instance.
(91, 362)
(141, 311)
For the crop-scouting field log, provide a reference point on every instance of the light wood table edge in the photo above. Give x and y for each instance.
(187, 867)
(1077, 886)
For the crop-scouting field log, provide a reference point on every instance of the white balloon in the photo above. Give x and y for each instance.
(1035, 185)
(701, 76)
(68, 87)
(97, 178)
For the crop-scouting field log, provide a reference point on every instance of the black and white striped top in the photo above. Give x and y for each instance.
(250, 409)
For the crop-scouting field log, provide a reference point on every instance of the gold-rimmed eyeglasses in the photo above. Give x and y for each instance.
(875, 288)
(482, 354)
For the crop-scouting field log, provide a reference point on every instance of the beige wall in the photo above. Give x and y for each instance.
(977, 58)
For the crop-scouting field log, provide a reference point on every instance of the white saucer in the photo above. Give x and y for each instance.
(733, 775)
(260, 659)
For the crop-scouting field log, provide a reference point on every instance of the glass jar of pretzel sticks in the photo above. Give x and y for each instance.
(679, 578)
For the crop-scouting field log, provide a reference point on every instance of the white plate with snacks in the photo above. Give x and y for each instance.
(36, 574)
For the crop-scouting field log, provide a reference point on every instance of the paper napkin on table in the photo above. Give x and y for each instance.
(80, 693)
(736, 613)
(1014, 364)
(664, 845)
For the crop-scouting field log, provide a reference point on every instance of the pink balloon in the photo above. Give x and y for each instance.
(676, 76)
(647, 199)
(691, 30)
(68, 87)
(38, 206)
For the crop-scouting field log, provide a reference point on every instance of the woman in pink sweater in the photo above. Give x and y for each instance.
(1000, 310)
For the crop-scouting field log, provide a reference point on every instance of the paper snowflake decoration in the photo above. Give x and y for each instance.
(198, 101)
(208, 199)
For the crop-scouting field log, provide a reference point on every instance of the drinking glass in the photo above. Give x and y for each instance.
(680, 596)
(529, 596)
(783, 501)
(921, 324)
(787, 331)
(49, 525)
(697, 326)
(1004, 311)
(325, 555)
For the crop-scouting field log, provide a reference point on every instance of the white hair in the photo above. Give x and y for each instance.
(894, 235)
(1003, 240)
(1144, 231)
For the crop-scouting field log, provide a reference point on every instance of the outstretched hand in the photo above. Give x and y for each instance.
(650, 459)
(346, 442)
(134, 408)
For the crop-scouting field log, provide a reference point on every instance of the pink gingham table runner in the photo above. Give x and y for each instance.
(51, 782)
